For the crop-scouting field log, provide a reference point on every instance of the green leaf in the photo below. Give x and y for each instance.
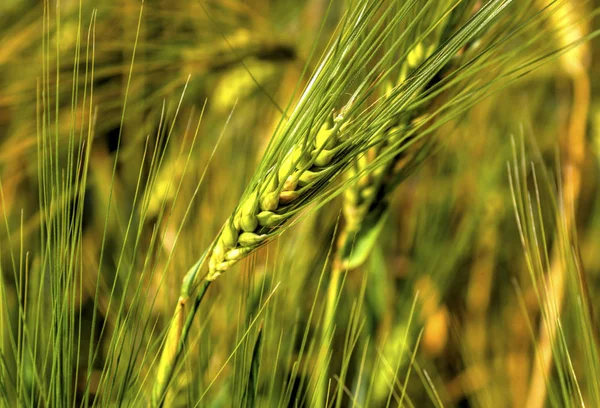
(358, 248)
(251, 391)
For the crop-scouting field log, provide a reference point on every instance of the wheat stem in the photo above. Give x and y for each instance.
(177, 333)
(565, 21)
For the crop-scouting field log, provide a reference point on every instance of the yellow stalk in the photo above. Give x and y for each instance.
(565, 21)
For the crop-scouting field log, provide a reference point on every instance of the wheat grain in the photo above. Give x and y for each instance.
(273, 201)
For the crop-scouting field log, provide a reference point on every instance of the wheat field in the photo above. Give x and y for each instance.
(299, 203)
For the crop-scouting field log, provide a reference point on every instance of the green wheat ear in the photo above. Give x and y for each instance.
(337, 120)
(432, 82)
(302, 172)
(315, 146)
(365, 202)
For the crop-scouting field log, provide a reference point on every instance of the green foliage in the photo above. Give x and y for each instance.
(344, 162)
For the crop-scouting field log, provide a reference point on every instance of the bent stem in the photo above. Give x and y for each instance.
(177, 335)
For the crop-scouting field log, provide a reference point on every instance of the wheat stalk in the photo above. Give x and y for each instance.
(566, 22)
(366, 201)
(327, 132)
(368, 197)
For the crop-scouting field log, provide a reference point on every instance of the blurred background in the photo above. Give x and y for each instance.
(127, 136)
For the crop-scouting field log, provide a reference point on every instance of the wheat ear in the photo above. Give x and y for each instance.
(313, 145)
